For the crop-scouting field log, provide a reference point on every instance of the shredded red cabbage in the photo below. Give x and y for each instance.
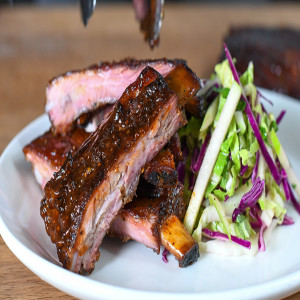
(256, 221)
(223, 237)
(261, 242)
(280, 117)
(272, 166)
(232, 66)
(195, 158)
(243, 170)
(255, 215)
(250, 198)
(198, 155)
(165, 255)
(192, 180)
(263, 109)
(285, 184)
(287, 220)
(181, 171)
(258, 117)
(181, 165)
(185, 150)
(255, 169)
(294, 201)
(265, 98)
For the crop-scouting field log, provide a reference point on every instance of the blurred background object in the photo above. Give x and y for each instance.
(183, 1)
(275, 53)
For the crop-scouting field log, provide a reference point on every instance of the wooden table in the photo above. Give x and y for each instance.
(37, 43)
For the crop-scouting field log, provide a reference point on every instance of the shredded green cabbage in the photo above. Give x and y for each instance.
(239, 150)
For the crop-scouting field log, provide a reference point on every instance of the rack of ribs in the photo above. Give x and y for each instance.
(154, 216)
(142, 219)
(48, 152)
(85, 195)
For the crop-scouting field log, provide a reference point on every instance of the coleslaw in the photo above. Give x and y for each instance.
(237, 177)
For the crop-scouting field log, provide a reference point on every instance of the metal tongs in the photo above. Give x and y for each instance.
(87, 8)
(150, 13)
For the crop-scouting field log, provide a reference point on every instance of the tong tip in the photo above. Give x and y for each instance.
(87, 9)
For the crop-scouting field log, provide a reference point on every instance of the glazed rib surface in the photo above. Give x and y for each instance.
(82, 199)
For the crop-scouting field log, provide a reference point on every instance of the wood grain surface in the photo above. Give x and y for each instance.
(38, 43)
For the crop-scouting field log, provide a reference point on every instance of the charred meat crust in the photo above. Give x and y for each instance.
(197, 106)
(183, 81)
(181, 75)
(159, 175)
(157, 221)
(54, 149)
(108, 164)
(178, 241)
(127, 63)
(174, 145)
(190, 256)
(48, 152)
(161, 170)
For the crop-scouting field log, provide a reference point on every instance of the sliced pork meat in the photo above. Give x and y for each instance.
(154, 216)
(181, 80)
(83, 198)
(141, 219)
(48, 152)
(76, 92)
(156, 222)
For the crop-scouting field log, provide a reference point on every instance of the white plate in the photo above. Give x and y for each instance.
(132, 271)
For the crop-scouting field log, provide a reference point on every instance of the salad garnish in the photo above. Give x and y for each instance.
(236, 174)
